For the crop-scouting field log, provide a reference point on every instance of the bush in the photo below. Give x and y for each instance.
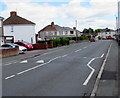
(56, 42)
(60, 42)
(64, 41)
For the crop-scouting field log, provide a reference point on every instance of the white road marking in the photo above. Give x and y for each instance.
(78, 50)
(102, 55)
(99, 75)
(84, 47)
(25, 61)
(93, 70)
(8, 64)
(90, 75)
(40, 61)
(41, 64)
(9, 77)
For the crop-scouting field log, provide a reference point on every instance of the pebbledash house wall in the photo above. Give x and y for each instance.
(20, 32)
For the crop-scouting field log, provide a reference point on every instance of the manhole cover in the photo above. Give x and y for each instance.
(108, 75)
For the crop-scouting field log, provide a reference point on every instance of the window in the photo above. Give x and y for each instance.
(60, 32)
(11, 28)
(71, 32)
(66, 32)
(52, 33)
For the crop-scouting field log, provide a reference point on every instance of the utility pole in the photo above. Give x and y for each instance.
(76, 30)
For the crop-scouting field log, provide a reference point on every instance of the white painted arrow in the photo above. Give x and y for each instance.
(25, 61)
(40, 61)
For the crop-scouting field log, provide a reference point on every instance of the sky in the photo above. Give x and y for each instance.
(88, 13)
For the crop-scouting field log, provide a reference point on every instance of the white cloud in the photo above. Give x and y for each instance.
(43, 13)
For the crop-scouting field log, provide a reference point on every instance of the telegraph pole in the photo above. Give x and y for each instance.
(76, 30)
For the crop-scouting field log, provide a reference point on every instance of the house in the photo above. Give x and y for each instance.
(55, 31)
(107, 32)
(17, 28)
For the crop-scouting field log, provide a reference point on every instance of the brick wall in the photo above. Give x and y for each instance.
(41, 46)
(9, 52)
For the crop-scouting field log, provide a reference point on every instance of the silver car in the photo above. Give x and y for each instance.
(10, 45)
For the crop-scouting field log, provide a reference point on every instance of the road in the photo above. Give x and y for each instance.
(70, 71)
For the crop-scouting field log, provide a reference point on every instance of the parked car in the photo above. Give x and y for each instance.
(25, 44)
(109, 37)
(92, 40)
(10, 45)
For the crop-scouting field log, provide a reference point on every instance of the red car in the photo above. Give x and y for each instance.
(109, 37)
(25, 44)
(92, 40)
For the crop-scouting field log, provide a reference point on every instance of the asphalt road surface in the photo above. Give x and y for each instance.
(71, 71)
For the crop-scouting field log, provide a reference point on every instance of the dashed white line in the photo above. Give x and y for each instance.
(40, 65)
(9, 77)
(84, 47)
(78, 50)
(8, 64)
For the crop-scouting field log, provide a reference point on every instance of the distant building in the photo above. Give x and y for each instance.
(17, 28)
(1, 31)
(55, 31)
(106, 33)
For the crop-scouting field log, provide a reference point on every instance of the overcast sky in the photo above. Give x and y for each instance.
(88, 13)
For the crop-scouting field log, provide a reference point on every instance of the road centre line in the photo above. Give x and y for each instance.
(78, 50)
(10, 77)
(93, 70)
(8, 64)
(41, 64)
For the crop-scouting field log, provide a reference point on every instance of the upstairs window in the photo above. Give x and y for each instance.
(11, 28)
(71, 32)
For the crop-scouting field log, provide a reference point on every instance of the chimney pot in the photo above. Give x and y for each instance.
(74, 28)
(52, 23)
(13, 13)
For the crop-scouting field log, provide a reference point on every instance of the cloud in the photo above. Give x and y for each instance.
(65, 14)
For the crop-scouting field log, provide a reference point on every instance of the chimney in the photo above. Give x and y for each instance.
(13, 13)
(52, 23)
(74, 28)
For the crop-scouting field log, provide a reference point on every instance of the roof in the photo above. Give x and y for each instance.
(1, 18)
(53, 27)
(15, 19)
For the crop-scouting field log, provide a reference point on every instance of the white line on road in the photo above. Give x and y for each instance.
(40, 61)
(84, 47)
(90, 75)
(41, 64)
(9, 77)
(25, 61)
(93, 70)
(8, 63)
(78, 50)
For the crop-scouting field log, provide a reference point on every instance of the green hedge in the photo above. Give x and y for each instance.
(60, 42)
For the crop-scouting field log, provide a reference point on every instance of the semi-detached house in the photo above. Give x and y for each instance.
(17, 28)
(55, 31)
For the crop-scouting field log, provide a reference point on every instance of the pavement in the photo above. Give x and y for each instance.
(64, 71)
